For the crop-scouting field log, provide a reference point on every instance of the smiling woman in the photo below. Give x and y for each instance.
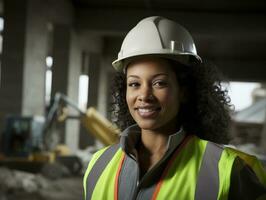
(153, 95)
(173, 112)
(204, 108)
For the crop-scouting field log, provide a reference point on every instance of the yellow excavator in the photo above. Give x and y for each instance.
(97, 125)
(32, 144)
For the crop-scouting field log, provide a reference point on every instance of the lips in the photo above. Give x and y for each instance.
(147, 112)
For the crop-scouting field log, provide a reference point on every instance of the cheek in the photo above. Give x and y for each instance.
(167, 96)
(170, 99)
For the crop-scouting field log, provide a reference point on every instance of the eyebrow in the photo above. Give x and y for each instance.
(160, 74)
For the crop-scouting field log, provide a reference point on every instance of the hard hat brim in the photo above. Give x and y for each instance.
(183, 58)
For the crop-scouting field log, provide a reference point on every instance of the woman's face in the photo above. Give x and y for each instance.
(153, 94)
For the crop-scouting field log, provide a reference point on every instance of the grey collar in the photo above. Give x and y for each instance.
(131, 136)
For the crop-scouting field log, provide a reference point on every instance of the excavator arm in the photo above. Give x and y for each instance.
(97, 125)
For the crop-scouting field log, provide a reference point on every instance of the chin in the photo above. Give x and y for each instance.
(147, 125)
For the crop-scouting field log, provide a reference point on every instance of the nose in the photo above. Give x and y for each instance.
(146, 94)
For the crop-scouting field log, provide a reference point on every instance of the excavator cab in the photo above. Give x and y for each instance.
(22, 135)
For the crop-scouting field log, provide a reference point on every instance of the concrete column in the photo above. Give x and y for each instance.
(12, 59)
(94, 81)
(73, 125)
(60, 68)
(61, 53)
(91, 67)
(23, 59)
(36, 50)
(65, 79)
(67, 61)
(103, 87)
(91, 46)
(104, 82)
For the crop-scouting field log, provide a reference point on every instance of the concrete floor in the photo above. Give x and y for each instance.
(61, 189)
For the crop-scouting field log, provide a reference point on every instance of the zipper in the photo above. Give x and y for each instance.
(135, 194)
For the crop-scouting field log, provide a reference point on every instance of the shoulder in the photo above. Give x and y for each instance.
(246, 175)
(99, 154)
(103, 156)
(245, 182)
(107, 152)
(94, 158)
(250, 161)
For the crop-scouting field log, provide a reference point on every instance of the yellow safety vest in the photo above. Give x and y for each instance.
(180, 179)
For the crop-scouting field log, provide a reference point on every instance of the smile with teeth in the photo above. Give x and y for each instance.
(147, 112)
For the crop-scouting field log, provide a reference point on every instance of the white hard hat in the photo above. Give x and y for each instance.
(157, 36)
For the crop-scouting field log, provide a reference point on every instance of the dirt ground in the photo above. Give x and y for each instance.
(62, 189)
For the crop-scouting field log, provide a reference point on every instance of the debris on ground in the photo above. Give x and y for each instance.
(16, 184)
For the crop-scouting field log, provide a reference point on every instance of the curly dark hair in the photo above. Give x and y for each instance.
(206, 111)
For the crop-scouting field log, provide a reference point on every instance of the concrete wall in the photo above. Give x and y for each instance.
(25, 47)
(12, 66)
(35, 53)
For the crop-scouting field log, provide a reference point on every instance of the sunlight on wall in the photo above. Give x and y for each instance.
(48, 79)
(83, 91)
(241, 93)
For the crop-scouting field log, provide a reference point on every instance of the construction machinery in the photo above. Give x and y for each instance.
(33, 143)
(92, 120)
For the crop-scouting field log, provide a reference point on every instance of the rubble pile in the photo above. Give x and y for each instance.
(26, 186)
(55, 181)
(14, 182)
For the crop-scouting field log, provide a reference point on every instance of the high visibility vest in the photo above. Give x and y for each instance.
(198, 169)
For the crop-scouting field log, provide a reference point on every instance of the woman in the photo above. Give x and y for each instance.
(174, 113)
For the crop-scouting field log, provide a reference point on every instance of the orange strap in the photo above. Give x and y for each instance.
(117, 176)
(165, 172)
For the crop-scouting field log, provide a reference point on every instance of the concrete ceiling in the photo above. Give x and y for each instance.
(1, 7)
(178, 5)
(231, 33)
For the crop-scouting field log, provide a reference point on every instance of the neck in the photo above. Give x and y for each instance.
(151, 149)
(157, 138)
(153, 142)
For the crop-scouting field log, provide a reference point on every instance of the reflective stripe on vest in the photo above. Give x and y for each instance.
(186, 176)
(98, 168)
(209, 173)
(191, 173)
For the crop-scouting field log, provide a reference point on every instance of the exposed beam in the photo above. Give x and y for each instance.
(120, 21)
(234, 42)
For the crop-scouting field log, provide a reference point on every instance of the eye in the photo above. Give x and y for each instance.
(133, 84)
(160, 83)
